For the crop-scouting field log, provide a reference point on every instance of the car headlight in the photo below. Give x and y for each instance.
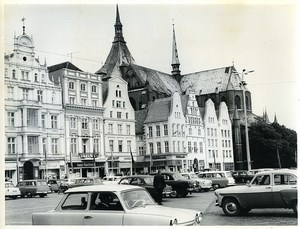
(173, 222)
(198, 217)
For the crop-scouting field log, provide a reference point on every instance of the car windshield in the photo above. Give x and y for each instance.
(178, 176)
(7, 185)
(137, 198)
(193, 176)
(149, 180)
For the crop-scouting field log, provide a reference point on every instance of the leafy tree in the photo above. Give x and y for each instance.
(272, 145)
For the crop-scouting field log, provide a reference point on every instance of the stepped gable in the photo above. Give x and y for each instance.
(159, 110)
(158, 81)
(206, 82)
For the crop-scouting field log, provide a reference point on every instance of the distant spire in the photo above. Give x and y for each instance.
(265, 116)
(275, 119)
(175, 60)
(118, 28)
(23, 20)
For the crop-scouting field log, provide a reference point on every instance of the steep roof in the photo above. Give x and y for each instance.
(140, 117)
(158, 81)
(207, 82)
(184, 102)
(66, 65)
(159, 110)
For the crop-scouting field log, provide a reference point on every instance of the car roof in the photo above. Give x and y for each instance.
(141, 176)
(214, 172)
(33, 180)
(104, 188)
(294, 172)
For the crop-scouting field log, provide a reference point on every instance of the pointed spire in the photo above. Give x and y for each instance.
(118, 28)
(265, 116)
(23, 20)
(175, 60)
(275, 119)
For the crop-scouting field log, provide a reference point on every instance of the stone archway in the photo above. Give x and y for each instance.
(28, 170)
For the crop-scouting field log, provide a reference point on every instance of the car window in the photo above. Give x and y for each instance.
(262, 180)
(42, 183)
(284, 179)
(105, 201)
(149, 180)
(75, 201)
(136, 198)
(124, 181)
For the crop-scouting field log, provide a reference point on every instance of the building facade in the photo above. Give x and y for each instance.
(83, 110)
(34, 127)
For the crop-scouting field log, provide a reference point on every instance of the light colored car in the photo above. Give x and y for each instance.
(204, 184)
(220, 179)
(268, 189)
(11, 191)
(114, 205)
(111, 179)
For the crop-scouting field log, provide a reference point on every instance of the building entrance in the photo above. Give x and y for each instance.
(28, 170)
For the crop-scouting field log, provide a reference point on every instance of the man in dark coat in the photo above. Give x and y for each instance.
(159, 184)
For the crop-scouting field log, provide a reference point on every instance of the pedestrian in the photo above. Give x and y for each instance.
(159, 184)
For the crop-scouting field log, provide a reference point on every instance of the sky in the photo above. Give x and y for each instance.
(259, 37)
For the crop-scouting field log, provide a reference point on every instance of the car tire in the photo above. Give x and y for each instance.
(28, 194)
(215, 186)
(295, 207)
(14, 197)
(173, 194)
(231, 207)
(183, 193)
(42, 195)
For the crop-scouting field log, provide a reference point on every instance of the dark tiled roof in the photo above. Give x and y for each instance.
(206, 82)
(159, 110)
(105, 89)
(118, 49)
(140, 117)
(158, 81)
(184, 101)
(66, 65)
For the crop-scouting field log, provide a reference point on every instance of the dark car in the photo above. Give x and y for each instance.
(180, 185)
(85, 181)
(145, 181)
(242, 176)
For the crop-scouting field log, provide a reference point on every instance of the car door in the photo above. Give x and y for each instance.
(259, 193)
(283, 182)
(111, 215)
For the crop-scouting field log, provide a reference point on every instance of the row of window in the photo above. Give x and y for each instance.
(84, 123)
(83, 87)
(25, 75)
(83, 101)
(120, 146)
(212, 142)
(119, 114)
(214, 154)
(120, 129)
(212, 132)
(150, 130)
(195, 147)
(85, 145)
(25, 94)
(118, 103)
(225, 133)
(194, 121)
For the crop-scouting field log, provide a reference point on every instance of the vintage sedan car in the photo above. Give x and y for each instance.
(269, 189)
(114, 205)
(111, 179)
(85, 181)
(204, 184)
(145, 181)
(11, 191)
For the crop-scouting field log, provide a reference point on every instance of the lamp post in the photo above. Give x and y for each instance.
(243, 84)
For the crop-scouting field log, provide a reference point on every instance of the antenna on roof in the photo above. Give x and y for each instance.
(71, 54)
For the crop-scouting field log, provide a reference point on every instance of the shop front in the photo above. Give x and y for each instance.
(86, 169)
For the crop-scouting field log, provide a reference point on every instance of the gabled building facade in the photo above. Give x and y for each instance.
(34, 125)
(83, 109)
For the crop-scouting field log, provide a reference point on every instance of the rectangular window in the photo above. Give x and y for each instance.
(32, 117)
(54, 121)
(151, 148)
(95, 124)
(110, 114)
(25, 75)
(174, 146)
(33, 144)
(120, 145)
(54, 145)
(43, 117)
(111, 145)
(83, 101)
(10, 119)
(165, 129)
(158, 145)
(40, 95)
(73, 123)
(96, 146)
(119, 128)
(126, 115)
(128, 146)
(178, 146)
(189, 147)
(119, 114)
(82, 87)
(84, 123)
(73, 145)
(110, 128)
(150, 131)
(201, 147)
(166, 147)
(118, 103)
(128, 129)
(190, 131)
(195, 147)
(25, 93)
(72, 100)
(71, 85)
(141, 150)
(158, 131)
(44, 146)
(11, 145)
(10, 92)
(94, 103)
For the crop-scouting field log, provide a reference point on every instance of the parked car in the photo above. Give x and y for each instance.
(53, 185)
(180, 185)
(204, 184)
(254, 171)
(242, 176)
(111, 179)
(114, 205)
(145, 181)
(85, 181)
(30, 188)
(65, 183)
(220, 179)
(268, 189)
(11, 191)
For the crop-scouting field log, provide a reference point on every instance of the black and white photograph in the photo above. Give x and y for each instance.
(150, 113)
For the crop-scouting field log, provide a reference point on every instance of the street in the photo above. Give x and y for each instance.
(19, 211)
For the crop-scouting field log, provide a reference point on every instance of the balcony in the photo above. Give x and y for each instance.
(88, 156)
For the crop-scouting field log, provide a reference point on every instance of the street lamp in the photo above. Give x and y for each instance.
(243, 86)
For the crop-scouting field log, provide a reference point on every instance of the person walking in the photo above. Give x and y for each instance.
(159, 184)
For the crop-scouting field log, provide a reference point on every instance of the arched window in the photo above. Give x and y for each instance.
(237, 100)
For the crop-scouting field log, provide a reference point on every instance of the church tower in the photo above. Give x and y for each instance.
(118, 29)
(175, 60)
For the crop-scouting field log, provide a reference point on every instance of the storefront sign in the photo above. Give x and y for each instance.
(158, 157)
(180, 156)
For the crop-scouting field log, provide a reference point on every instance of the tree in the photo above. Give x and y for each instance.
(266, 140)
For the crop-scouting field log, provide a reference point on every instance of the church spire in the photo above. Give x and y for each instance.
(23, 20)
(118, 28)
(175, 60)
(275, 119)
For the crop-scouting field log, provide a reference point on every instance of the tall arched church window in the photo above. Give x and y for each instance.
(237, 100)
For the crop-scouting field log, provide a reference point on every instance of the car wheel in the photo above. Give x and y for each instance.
(231, 207)
(183, 193)
(173, 194)
(216, 186)
(28, 194)
(14, 197)
(42, 195)
(295, 207)
(22, 196)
